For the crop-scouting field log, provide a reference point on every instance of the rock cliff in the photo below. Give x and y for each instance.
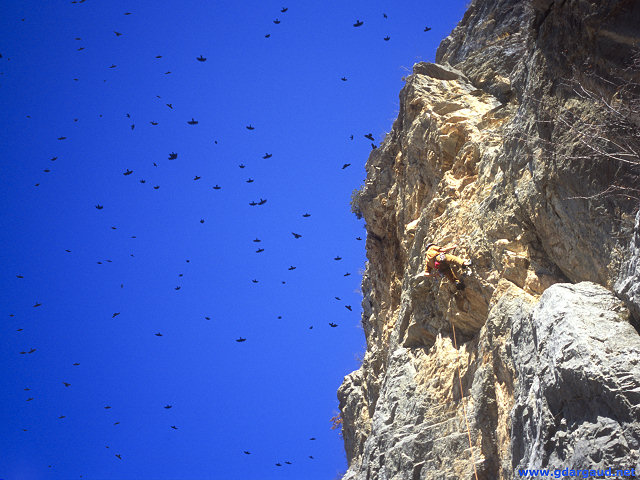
(521, 146)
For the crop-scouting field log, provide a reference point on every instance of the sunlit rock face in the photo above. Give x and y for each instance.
(495, 149)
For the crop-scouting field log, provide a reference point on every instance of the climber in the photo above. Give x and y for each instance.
(440, 260)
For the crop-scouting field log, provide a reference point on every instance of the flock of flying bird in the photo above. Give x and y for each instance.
(254, 203)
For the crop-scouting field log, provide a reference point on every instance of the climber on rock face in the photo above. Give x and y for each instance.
(441, 261)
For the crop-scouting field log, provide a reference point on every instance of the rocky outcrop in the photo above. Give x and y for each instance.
(503, 147)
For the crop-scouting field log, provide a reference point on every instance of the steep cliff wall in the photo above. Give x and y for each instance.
(520, 146)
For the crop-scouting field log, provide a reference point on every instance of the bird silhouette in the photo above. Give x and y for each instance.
(158, 334)
(37, 304)
(254, 280)
(31, 350)
(291, 268)
(387, 38)
(119, 456)
(217, 187)
(369, 136)
(337, 257)
(168, 72)
(247, 452)
(373, 146)
(242, 165)
(287, 462)
(296, 235)
(107, 407)
(173, 156)
(385, 15)
(278, 464)
(156, 187)
(348, 307)
(426, 29)
(358, 23)
(128, 172)
(267, 155)
(115, 315)
(257, 240)
(29, 399)
(337, 298)
(240, 340)
(262, 201)
(68, 251)
(113, 66)
(177, 288)
(250, 180)
(168, 406)
(142, 180)
(306, 215)
(174, 427)
(117, 33)
(201, 58)
(253, 204)
(196, 177)
(344, 79)
(202, 220)
(350, 137)
(346, 274)
(267, 35)
(76, 364)
(127, 13)
(333, 325)
(62, 138)
(99, 207)
(153, 123)
(192, 121)
(358, 238)
(276, 21)
(312, 438)
(19, 276)
(346, 165)
(284, 9)
(170, 105)
(260, 250)
(250, 127)
(66, 384)
(61, 416)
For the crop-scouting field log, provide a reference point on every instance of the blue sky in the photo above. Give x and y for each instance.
(104, 300)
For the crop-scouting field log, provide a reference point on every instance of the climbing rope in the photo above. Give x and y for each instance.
(464, 410)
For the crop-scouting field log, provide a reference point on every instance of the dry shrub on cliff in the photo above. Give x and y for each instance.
(337, 423)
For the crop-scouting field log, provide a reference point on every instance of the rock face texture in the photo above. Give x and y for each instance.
(521, 146)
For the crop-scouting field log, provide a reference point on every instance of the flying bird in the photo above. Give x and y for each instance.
(257, 240)
(196, 177)
(76, 364)
(344, 79)
(192, 121)
(202, 220)
(170, 105)
(99, 207)
(201, 58)
(337, 257)
(158, 334)
(217, 187)
(254, 280)
(177, 288)
(296, 235)
(61, 416)
(387, 38)
(260, 250)
(291, 268)
(346, 274)
(267, 35)
(358, 238)
(113, 66)
(346, 165)
(128, 172)
(174, 427)
(426, 29)
(385, 15)
(62, 138)
(358, 23)
(173, 156)
(267, 155)
(369, 136)
(37, 304)
(333, 325)
(348, 307)
(142, 180)
(115, 314)
(250, 180)
(117, 33)
(305, 215)
(276, 21)
(262, 201)
(156, 187)
(119, 456)
(66, 384)
(242, 165)
(250, 127)
(246, 452)
(153, 123)
(168, 406)
(240, 340)
(19, 276)
(107, 407)
(288, 463)
(284, 9)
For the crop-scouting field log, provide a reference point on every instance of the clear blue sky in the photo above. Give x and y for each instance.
(270, 394)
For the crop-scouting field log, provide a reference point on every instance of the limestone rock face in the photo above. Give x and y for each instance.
(505, 148)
